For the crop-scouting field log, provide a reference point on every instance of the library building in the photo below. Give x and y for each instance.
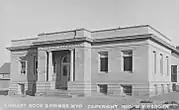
(136, 60)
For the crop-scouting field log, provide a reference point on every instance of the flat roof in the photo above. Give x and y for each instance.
(35, 38)
(104, 30)
(96, 31)
(5, 68)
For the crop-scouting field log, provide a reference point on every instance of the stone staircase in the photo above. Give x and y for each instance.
(58, 93)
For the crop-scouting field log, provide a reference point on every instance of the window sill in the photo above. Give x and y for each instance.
(128, 71)
(101, 72)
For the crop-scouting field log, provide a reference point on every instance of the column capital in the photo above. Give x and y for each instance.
(49, 51)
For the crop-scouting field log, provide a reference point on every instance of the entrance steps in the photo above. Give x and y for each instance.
(58, 93)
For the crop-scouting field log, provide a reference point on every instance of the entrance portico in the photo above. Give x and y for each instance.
(60, 66)
(64, 67)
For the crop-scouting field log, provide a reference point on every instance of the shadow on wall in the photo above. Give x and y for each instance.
(31, 88)
(4, 92)
(31, 72)
(4, 85)
(175, 87)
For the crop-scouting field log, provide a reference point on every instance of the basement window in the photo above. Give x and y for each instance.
(103, 88)
(127, 89)
(162, 87)
(155, 89)
(168, 87)
(174, 87)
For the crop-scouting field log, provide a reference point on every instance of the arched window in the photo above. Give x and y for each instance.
(65, 71)
(66, 65)
(66, 59)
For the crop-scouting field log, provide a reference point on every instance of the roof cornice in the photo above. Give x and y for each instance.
(24, 39)
(20, 48)
(142, 36)
(73, 30)
(63, 41)
(165, 44)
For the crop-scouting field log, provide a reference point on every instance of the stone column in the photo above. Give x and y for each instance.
(42, 71)
(50, 66)
(83, 68)
(42, 65)
(71, 66)
(87, 69)
(50, 70)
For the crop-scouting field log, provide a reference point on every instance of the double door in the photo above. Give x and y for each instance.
(62, 69)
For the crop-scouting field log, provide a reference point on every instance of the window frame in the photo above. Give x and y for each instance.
(123, 61)
(168, 66)
(23, 60)
(35, 58)
(174, 76)
(162, 88)
(154, 62)
(103, 54)
(161, 64)
(156, 89)
(168, 87)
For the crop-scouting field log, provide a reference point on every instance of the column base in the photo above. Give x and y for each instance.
(79, 88)
(52, 84)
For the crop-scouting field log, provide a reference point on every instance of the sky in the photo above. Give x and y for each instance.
(26, 18)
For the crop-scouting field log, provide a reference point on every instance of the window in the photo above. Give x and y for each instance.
(155, 89)
(168, 87)
(65, 71)
(167, 65)
(174, 73)
(103, 61)
(55, 67)
(127, 89)
(162, 86)
(103, 88)
(174, 87)
(127, 60)
(23, 65)
(161, 64)
(154, 62)
(174, 69)
(35, 65)
(66, 66)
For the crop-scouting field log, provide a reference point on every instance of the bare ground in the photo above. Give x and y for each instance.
(82, 103)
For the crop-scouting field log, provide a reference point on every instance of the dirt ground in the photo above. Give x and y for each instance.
(78, 103)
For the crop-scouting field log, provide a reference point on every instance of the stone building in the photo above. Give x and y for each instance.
(132, 60)
(4, 78)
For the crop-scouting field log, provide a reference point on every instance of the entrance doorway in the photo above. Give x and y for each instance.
(62, 69)
(65, 70)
